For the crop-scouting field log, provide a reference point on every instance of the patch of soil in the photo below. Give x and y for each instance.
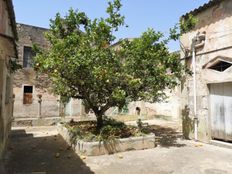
(87, 130)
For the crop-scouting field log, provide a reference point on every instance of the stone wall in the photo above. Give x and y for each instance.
(29, 36)
(7, 52)
(50, 105)
(216, 23)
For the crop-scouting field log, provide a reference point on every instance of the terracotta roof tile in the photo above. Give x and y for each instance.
(205, 6)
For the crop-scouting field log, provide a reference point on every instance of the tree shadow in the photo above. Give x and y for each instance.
(48, 154)
(167, 137)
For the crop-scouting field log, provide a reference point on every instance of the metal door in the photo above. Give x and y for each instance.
(221, 111)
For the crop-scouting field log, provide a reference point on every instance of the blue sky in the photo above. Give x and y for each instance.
(140, 14)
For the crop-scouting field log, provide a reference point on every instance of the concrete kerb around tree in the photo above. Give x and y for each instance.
(101, 148)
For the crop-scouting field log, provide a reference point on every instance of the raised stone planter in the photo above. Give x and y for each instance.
(101, 148)
(46, 121)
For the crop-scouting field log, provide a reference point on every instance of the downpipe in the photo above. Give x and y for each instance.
(198, 42)
(194, 94)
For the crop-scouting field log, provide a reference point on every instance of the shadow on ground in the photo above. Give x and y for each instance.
(167, 137)
(47, 155)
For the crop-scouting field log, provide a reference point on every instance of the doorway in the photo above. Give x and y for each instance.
(221, 111)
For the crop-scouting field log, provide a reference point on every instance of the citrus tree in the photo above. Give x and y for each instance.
(83, 63)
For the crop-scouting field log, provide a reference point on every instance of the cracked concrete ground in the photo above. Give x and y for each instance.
(42, 151)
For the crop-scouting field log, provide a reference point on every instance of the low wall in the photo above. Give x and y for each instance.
(101, 148)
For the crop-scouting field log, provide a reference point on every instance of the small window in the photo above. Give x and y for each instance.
(221, 66)
(28, 55)
(27, 94)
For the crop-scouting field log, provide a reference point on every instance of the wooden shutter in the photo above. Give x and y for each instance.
(27, 98)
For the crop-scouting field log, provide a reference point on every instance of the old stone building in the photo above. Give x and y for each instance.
(8, 54)
(207, 94)
(34, 102)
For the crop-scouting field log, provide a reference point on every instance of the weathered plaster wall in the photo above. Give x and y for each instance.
(217, 23)
(170, 107)
(7, 51)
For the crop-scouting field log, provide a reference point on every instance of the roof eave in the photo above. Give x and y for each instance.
(200, 9)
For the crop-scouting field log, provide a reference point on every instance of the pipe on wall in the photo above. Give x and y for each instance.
(197, 42)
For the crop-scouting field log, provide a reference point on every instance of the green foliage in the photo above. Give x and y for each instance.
(74, 133)
(110, 131)
(14, 65)
(81, 63)
(82, 131)
(139, 124)
(107, 134)
(143, 128)
(64, 99)
(186, 24)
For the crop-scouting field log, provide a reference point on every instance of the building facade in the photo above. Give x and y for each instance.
(33, 95)
(8, 54)
(207, 94)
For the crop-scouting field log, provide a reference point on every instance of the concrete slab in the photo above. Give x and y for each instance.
(193, 158)
(51, 154)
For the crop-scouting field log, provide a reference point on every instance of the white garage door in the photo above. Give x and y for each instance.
(221, 111)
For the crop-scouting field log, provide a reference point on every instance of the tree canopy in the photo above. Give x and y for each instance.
(83, 62)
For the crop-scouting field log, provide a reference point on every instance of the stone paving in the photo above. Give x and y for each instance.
(192, 158)
(42, 151)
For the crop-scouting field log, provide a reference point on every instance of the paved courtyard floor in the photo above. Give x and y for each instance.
(43, 151)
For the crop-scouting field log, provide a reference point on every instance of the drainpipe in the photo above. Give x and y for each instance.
(198, 42)
(194, 94)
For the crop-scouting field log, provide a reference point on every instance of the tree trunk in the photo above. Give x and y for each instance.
(99, 121)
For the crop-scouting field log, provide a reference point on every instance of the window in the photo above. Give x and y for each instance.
(219, 63)
(221, 66)
(28, 54)
(27, 94)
